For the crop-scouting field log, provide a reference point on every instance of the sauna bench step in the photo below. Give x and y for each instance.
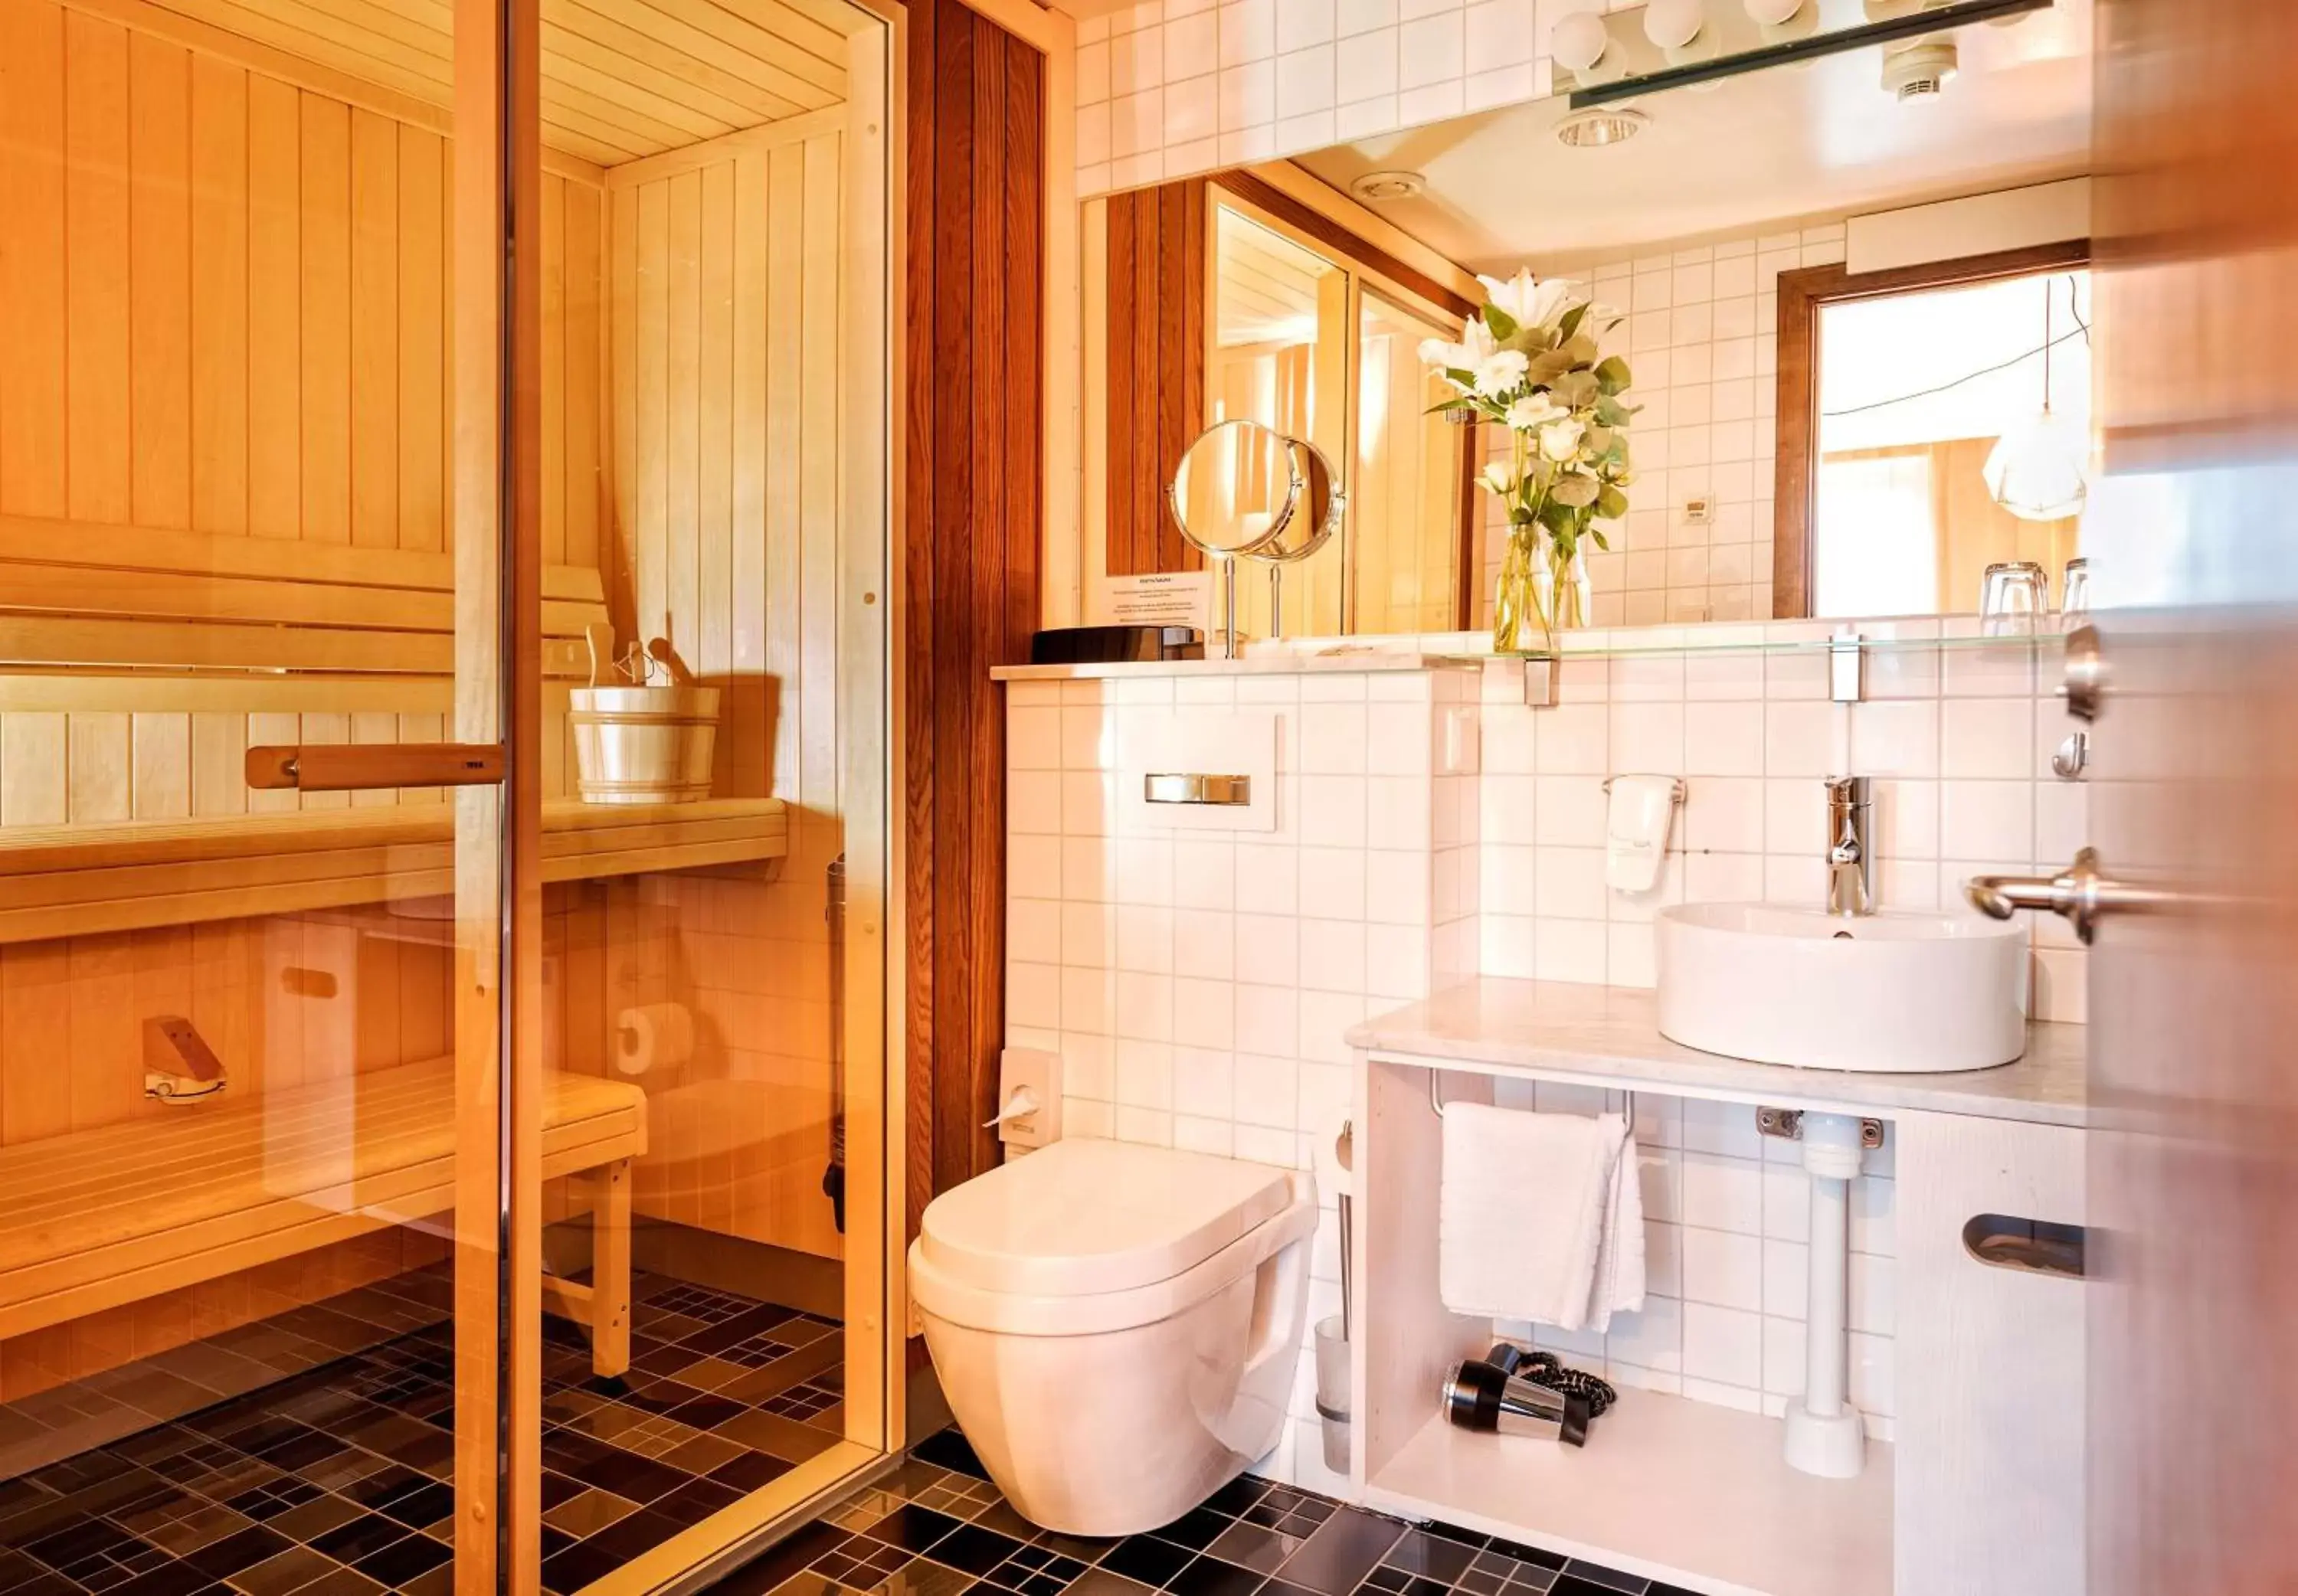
(78, 881)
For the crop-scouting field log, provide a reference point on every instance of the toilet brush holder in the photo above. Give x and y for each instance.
(1333, 1406)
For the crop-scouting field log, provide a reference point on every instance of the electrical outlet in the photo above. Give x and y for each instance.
(1699, 512)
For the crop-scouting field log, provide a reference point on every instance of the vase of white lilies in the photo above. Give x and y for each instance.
(1531, 362)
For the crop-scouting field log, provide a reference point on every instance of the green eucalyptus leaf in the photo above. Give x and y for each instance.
(1614, 375)
(1560, 520)
(1602, 541)
(1575, 489)
(1611, 503)
(1582, 349)
(1502, 324)
(1570, 324)
(1611, 412)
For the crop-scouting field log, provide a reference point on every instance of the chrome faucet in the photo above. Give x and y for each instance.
(1850, 846)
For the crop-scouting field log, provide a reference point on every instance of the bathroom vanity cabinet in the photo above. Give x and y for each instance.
(1979, 1491)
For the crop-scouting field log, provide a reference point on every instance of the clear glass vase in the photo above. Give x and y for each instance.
(1523, 600)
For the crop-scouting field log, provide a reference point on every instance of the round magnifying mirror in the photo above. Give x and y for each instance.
(1315, 518)
(1316, 515)
(1235, 488)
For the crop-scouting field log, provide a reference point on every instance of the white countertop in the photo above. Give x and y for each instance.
(1612, 1033)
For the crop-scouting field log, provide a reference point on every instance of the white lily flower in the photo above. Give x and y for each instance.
(1496, 374)
(1475, 346)
(1498, 478)
(1535, 411)
(1528, 302)
(1559, 440)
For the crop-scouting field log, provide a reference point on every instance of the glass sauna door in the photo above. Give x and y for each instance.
(256, 688)
(709, 1309)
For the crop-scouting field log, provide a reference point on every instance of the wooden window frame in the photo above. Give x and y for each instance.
(1803, 295)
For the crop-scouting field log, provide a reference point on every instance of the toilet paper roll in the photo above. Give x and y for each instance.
(654, 1035)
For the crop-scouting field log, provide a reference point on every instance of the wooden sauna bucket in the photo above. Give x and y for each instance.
(644, 745)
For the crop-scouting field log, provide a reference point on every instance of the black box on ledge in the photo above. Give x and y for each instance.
(1115, 645)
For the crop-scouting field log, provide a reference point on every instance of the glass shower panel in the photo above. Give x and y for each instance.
(251, 885)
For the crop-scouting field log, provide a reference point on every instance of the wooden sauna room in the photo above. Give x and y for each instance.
(276, 1083)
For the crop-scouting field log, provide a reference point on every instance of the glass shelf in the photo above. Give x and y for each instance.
(1959, 634)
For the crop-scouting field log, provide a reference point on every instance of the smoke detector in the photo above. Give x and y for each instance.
(1592, 129)
(1386, 187)
(1920, 71)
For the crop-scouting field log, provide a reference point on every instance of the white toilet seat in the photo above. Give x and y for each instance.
(1117, 1327)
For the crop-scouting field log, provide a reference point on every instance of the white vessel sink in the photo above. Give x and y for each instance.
(1894, 992)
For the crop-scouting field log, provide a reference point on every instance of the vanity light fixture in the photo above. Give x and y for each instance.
(1579, 40)
(1592, 129)
(1672, 24)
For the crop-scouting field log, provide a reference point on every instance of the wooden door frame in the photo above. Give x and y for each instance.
(1802, 295)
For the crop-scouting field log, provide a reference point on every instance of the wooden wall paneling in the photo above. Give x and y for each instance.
(96, 292)
(582, 273)
(219, 313)
(33, 208)
(160, 115)
(973, 517)
(1156, 341)
(274, 279)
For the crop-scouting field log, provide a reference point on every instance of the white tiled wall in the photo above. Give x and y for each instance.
(1958, 740)
(1172, 87)
(1727, 1216)
(1198, 985)
(1702, 336)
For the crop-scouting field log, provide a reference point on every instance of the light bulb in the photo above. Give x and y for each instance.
(1771, 14)
(1578, 41)
(1672, 24)
(2039, 470)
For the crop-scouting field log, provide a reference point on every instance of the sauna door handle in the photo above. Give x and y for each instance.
(357, 766)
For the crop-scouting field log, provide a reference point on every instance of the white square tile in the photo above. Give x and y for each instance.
(1362, 16)
(1204, 944)
(1248, 32)
(1724, 813)
(1204, 1083)
(1500, 34)
(1192, 114)
(1137, 60)
(1266, 1091)
(1798, 738)
(1365, 67)
(1398, 885)
(1204, 1012)
(1723, 1345)
(1247, 95)
(1724, 739)
(1267, 949)
(1783, 1357)
(1787, 1281)
(1332, 883)
(1192, 46)
(1986, 737)
(1569, 810)
(1301, 23)
(1898, 738)
(1033, 738)
(1144, 1074)
(1986, 820)
(1647, 738)
(1268, 877)
(1722, 1270)
(1144, 939)
(1723, 1194)
(1568, 883)
(1429, 51)
(1306, 82)
(1268, 1021)
(1649, 1338)
(1033, 868)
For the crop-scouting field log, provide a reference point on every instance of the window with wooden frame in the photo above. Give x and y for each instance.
(1908, 494)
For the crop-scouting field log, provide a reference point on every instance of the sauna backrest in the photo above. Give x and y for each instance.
(74, 595)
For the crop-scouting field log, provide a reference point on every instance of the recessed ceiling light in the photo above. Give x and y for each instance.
(1382, 188)
(1592, 129)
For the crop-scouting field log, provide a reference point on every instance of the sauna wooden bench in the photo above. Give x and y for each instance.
(77, 880)
(96, 1218)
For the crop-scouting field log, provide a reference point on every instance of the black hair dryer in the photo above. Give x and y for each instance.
(1487, 1395)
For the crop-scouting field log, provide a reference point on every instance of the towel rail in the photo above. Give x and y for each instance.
(1436, 1100)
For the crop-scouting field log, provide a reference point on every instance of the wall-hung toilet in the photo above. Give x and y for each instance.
(1116, 1326)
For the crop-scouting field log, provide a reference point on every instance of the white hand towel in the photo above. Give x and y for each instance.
(1619, 1284)
(1531, 1222)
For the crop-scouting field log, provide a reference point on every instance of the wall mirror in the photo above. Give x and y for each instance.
(1843, 261)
